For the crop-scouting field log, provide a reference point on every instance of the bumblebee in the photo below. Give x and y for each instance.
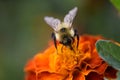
(63, 31)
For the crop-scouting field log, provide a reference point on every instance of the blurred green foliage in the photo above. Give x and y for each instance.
(23, 31)
(109, 52)
(116, 3)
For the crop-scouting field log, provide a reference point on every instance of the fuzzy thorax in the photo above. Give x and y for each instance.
(70, 31)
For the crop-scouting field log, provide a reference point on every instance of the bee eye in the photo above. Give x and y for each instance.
(63, 30)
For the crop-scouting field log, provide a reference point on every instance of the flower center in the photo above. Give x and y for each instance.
(68, 59)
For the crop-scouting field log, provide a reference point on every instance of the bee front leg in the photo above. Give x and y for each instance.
(77, 40)
(77, 35)
(54, 39)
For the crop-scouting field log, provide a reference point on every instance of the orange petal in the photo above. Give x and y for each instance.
(111, 73)
(83, 63)
(94, 76)
(77, 75)
(40, 62)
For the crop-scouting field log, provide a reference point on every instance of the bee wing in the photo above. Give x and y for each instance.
(70, 16)
(52, 22)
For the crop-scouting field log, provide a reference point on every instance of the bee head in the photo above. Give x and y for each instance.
(63, 30)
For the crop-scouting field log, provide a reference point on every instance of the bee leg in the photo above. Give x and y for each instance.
(77, 35)
(77, 40)
(54, 39)
(62, 49)
(71, 48)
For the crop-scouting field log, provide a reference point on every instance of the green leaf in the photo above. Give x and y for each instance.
(116, 3)
(110, 52)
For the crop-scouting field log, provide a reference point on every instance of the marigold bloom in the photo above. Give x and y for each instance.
(83, 63)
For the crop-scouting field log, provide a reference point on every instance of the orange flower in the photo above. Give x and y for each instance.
(82, 63)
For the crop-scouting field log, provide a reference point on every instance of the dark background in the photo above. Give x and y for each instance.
(23, 32)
